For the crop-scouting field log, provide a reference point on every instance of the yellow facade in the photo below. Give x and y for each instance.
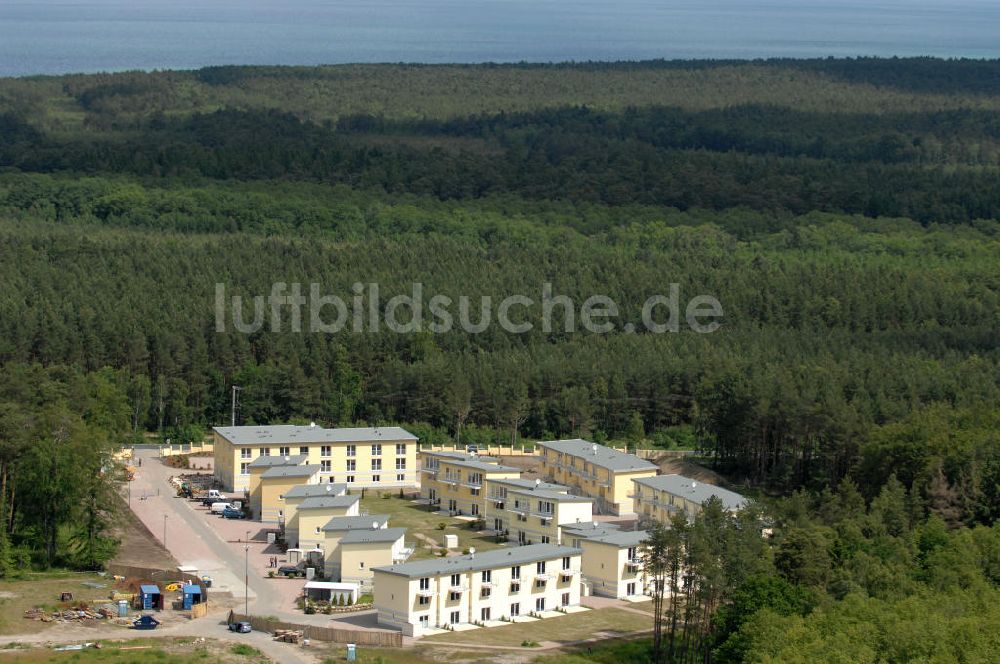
(307, 524)
(600, 472)
(272, 493)
(458, 483)
(362, 457)
(614, 568)
(483, 588)
(360, 553)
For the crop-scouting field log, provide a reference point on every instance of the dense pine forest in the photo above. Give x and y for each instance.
(846, 213)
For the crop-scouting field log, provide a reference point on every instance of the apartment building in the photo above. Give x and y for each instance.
(533, 512)
(257, 467)
(305, 529)
(594, 470)
(457, 483)
(274, 483)
(361, 551)
(361, 457)
(420, 596)
(335, 529)
(659, 498)
(299, 493)
(612, 564)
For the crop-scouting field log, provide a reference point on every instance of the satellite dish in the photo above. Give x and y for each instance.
(472, 552)
(538, 482)
(694, 484)
(594, 449)
(374, 525)
(595, 524)
(329, 488)
(312, 425)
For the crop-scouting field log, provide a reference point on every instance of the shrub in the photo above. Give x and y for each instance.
(442, 525)
(270, 573)
(245, 650)
(530, 644)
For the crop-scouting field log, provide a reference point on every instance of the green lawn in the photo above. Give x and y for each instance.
(564, 629)
(417, 519)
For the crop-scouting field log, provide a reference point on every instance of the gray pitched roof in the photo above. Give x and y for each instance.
(360, 536)
(520, 555)
(290, 471)
(605, 457)
(475, 463)
(293, 433)
(356, 522)
(554, 496)
(324, 502)
(312, 490)
(622, 538)
(271, 461)
(589, 529)
(522, 483)
(693, 490)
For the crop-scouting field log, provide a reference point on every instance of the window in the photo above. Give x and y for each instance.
(400, 478)
(539, 584)
(352, 465)
(565, 599)
(515, 609)
(545, 539)
(630, 589)
(565, 562)
(475, 478)
(540, 567)
(485, 592)
(265, 451)
(244, 469)
(376, 464)
(377, 450)
(515, 572)
(475, 509)
(325, 451)
(632, 553)
(484, 613)
(362, 564)
(423, 600)
(376, 478)
(318, 530)
(540, 604)
(284, 451)
(487, 576)
(324, 466)
(425, 584)
(424, 621)
(350, 479)
(454, 596)
(456, 580)
(304, 450)
(400, 449)
(474, 492)
(245, 453)
(455, 617)
(352, 450)
(401, 464)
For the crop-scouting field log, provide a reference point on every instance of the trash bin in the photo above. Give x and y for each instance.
(352, 653)
(123, 608)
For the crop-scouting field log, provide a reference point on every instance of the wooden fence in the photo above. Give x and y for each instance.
(379, 638)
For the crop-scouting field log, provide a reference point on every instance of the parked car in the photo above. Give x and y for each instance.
(290, 571)
(145, 622)
(472, 449)
(242, 627)
(233, 513)
(219, 508)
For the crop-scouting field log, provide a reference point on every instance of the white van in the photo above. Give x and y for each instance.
(218, 508)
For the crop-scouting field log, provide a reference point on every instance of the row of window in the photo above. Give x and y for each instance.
(486, 576)
(324, 450)
(349, 479)
(455, 618)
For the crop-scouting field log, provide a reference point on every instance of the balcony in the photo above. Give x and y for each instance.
(568, 573)
(426, 592)
(497, 499)
(432, 471)
(542, 577)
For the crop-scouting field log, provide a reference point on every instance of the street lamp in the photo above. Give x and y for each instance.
(246, 581)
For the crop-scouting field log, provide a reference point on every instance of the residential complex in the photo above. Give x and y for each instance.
(457, 482)
(274, 483)
(660, 497)
(594, 470)
(533, 512)
(299, 494)
(362, 457)
(420, 596)
(305, 530)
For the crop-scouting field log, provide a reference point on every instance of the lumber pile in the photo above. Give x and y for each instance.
(288, 635)
(69, 615)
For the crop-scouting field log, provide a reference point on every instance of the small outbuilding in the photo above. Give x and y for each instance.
(328, 591)
(150, 597)
(192, 595)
